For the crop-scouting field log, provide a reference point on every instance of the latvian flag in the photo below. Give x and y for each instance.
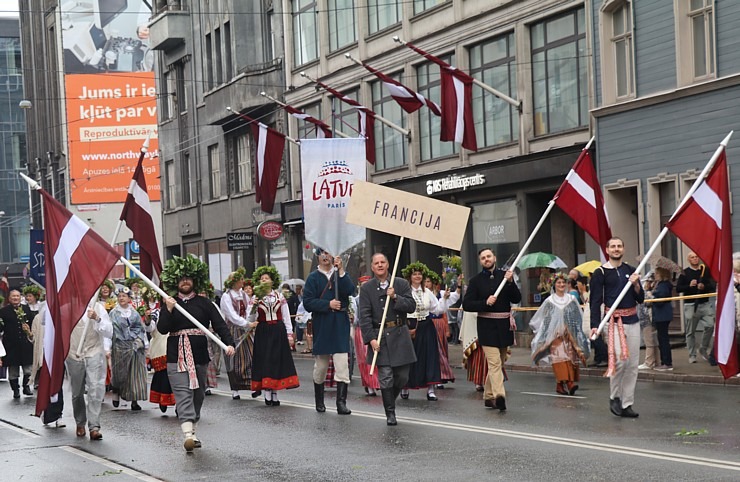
(270, 147)
(323, 131)
(409, 100)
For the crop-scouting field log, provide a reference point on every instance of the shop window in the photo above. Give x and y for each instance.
(219, 262)
(390, 145)
(496, 226)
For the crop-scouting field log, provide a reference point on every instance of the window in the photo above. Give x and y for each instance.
(559, 77)
(421, 5)
(617, 51)
(242, 153)
(187, 179)
(305, 31)
(382, 14)
(307, 130)
(348, 121)
(695, 40)
(180, 93)
(214, 166)
(219, 261)
(228, 62)
(342, 29)
(209, 62)
(429, 124)
(219, 60)
(493, 62)
(390, 145)
(169, 170)
(166, 104)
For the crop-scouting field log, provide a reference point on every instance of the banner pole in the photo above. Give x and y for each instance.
(387, 302)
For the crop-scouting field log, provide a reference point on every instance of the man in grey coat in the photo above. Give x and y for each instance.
(395, 351)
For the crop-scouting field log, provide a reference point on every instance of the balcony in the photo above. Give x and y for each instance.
(170, 26)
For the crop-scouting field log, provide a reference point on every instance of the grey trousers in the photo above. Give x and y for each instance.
(88, 373)
(693, 315)
(15, 371)
(622, 384)
(393, 377)
(188, 402)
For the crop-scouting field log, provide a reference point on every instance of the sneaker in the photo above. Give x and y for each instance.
(664, 368)
(692, 359)
(644, 366)
(703, 353)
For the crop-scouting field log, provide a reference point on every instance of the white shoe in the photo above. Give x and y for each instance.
(644, 367)
(692, 359)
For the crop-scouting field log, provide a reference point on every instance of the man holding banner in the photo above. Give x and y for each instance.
(396, 353)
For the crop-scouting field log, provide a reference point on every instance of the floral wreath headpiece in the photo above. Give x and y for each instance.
(268, 270)
(34, 290)
(416, 266)
(178, 268)
(235, 277)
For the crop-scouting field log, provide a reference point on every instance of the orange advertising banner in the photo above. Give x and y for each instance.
(108, 118)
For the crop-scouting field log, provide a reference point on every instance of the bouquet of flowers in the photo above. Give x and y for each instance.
(24, 323)
(141, 310)
(260, 291)
(452, 268)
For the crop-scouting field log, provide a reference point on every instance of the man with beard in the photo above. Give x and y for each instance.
(495, 324)
(607, 283)
(327, 304)
(18, 342)
(187, 346)
(396, 352)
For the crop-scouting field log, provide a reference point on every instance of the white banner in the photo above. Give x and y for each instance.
(329, 168)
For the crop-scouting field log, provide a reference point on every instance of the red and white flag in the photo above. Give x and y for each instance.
(137, 214)
(409, 100)
(703, 223)
(77, 262)
(270, 148)
(367, 121)
(580, 198)
(457, 103)
(323, 131)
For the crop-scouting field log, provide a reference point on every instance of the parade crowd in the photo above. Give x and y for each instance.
(131, 332)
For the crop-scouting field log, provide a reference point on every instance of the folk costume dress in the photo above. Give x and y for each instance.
(235, 305)
(128, 354)
(442, 325)
(426, 371)
(559, 339)
(368, 381)
(474, 359)
(160, 391)
(272, 361)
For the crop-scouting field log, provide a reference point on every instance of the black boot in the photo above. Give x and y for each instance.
(318, 393)
(389, 403)
(342, 399)
(26, 388)
(14, 386)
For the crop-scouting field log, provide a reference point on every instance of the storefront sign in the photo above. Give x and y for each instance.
(236, 241)
(453, 182)
(270, 230)
(410, 215)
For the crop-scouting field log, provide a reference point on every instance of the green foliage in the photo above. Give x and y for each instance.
(33, 289)
(238, 275)
(689, 433)
(269, 270)
(452, 268)
(177, 268)
(414, 267)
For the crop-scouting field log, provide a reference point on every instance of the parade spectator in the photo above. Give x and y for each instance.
(559, 338)
(18, 342)
(326, 295)
(293, 301)
(299, 330)
(272, 362)
(128, 353)
(662, 316)
(649, 335)
(235, 306)
(86, 368)
(187, 348)
(396, 353)
(607, 283)
(697, 280)
(495, 323)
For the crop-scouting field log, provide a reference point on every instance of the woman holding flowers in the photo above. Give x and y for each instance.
(272, 361)
(235, 305)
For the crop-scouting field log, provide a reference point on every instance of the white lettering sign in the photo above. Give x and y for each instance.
(453, 182)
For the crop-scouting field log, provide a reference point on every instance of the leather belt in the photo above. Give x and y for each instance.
(392, 323)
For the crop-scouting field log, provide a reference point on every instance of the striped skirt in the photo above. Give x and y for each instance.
(477, 367)
(444, 355)
(160, 391)
(239, 366)
(128, 371)
(368, 381)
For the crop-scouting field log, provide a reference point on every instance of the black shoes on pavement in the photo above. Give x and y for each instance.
(318, 393)
(629, 413)
(615, 406)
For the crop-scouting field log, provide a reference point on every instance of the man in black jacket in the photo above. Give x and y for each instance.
(18, 342)
(697, 280)
(495, 323)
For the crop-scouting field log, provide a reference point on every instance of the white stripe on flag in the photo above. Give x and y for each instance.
(261, 145)
(300, 116)
(709, 202)
(460, 119)
(726, 324)
(49, 331)
(363, 123)
(142, 198)
(583, 188)
(72, 235)
(397, 91)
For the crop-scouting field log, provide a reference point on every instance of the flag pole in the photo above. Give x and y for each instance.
(664, 231)
(537, 227)
(387, 303)
(283, 105)
(250, 120)
(497, 93)
(382, 119)
(144, 150)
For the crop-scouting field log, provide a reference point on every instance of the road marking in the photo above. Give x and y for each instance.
(111, 465)
(18, 429)
(556, 395)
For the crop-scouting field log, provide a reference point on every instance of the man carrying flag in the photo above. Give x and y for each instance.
(703, 223)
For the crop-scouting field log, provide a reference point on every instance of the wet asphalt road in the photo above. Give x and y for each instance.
(540, 437)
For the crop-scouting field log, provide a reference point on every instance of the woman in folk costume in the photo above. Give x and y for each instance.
(370, 382)
(137, 298)
(236, 305)
(474, 359)
(214, 351)
(33, 294)
(559, 337)
(105, 296)
(442, 326)
(160, 391)
(128, 354)
(425, 373)
(272, 361)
